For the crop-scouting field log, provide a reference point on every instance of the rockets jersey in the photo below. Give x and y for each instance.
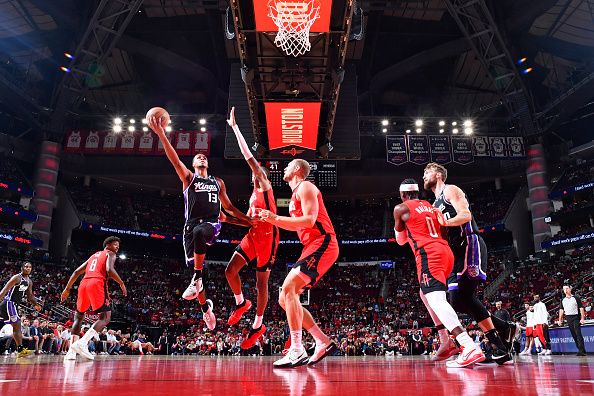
(97, 265)
(322, 226)
(261, 200)
(456, 235)
(422, 226)
(201, 199)
(17, 292)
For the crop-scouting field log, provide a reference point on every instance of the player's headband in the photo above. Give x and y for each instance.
(409, 187)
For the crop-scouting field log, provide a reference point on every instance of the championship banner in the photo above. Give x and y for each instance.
(440, 149)
(418, 149)
(481, 146)
(516, 147)
(92, 142)
(170, 136)
(201, 143)
(73, 142)
(292, 124)
(462, 150)
(110, 143)
(183, 143)
(146, 143)
(498, 147)
(396, 150)
(127, 143)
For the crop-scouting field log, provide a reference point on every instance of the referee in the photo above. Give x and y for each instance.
(571, 305)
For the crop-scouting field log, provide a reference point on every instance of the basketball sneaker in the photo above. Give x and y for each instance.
(82, 349)
(500, 356)
(253, 337)
(193, 289)
(70, 355)
(294, 358)
(467, 357)
(239, 311)
(445, 350)
(24, 353)
(209, 316)
(287, 346)
(321, 352)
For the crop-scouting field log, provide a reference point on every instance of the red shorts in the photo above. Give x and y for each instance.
(529, 331)
(261, 246)
(435, 262)
(317, 258)
(539, 332)
(92, 293)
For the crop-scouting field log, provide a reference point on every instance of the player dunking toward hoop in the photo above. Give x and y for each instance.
(416, 223)
(260, 243)
(203, 196)
(310, 220)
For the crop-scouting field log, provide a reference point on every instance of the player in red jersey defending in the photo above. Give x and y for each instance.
(310, 220)
(416, 222)
(260, 243)
(92, 293)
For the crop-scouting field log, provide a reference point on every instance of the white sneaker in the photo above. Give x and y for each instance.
(542, 353)
(209, 316)
(548, 352)
(193, 289)
(467, 357)
(82, 350)
(321, 352)
(294, 358)
(70, 355)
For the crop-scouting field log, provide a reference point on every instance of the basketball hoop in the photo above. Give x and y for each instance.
(293, 19)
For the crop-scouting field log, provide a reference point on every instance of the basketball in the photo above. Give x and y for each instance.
(161, 114)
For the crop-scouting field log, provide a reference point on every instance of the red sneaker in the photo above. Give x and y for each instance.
(445, 350)
(239, 311)
(253, 337)
(467, 357)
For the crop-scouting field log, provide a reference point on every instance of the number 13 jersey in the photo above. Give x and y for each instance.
(201, 199)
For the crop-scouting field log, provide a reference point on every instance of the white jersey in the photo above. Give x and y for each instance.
(530, 319)
(541, 315)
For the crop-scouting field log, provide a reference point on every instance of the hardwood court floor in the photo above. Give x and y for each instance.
(166, 375)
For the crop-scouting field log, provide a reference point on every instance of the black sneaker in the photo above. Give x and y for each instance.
(506, 358)
(580, 354)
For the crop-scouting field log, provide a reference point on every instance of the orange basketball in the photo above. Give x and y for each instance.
(161, 114)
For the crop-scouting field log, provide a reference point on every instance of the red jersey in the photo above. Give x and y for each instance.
(323, 224)
(262, 200)
(422, 226)
(97, 266)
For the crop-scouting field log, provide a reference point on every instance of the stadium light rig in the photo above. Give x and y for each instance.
(385, 122)
(455, 131)
(467, 123)
(468, 131)
(203, 129)
(68, 55)
(145, 129)
(384, 130)
(441, 123)
(65, 69)
(419, 123)
(117, 128)
(167, 129)
(117, 121)
(131, 128)
(418, 130)
(202, 121)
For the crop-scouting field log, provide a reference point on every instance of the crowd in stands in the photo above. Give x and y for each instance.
(10, 172)
(575, 173)
(490, 206)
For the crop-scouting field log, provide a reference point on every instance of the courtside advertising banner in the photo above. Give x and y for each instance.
(396, 152)
(292, 124)
(418, 149)
(462, 150)
(440, 149)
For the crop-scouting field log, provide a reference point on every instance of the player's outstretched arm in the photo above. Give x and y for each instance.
(309, 205)
(458, 199)
(247, 154)
(31, 297)
(184, 174)
(9, 285)
(77, 272)
(228, 205)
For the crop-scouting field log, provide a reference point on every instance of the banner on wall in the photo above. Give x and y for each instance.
(186, 143)
(498, 147)
(516, 147)
(481, 146)
(440, 149)
(418, 149)
(462, 150)
(396, 152)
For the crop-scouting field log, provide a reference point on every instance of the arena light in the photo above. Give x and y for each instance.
(131, 128)
(468, 131)
(527, 70)
(385, 122)
(419, 123)
(117, 120)
(144, 121)
(132, 121)
(203, 129)
(65, 69)
(384, 130)
(408, 131)
(167, 129)
(144, 129)
(441, 130)
(418, 130)
(522, 60)
(454, 123)
(68, 55)
(117, 128)
(122, 256)
(442, 123)
(202, 121)
(455, 131)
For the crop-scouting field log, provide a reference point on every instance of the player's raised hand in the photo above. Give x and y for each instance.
(156, 124)
(231, 120)
(64, 295)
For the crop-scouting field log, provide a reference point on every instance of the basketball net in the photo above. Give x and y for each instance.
(293, 19)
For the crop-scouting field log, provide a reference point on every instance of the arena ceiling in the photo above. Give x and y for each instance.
(413, 60)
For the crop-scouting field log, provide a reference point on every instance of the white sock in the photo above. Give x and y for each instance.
(465, 340)
(318, 335)
(88, 335)
(257, 321)
(296, 339)
(238, 298)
